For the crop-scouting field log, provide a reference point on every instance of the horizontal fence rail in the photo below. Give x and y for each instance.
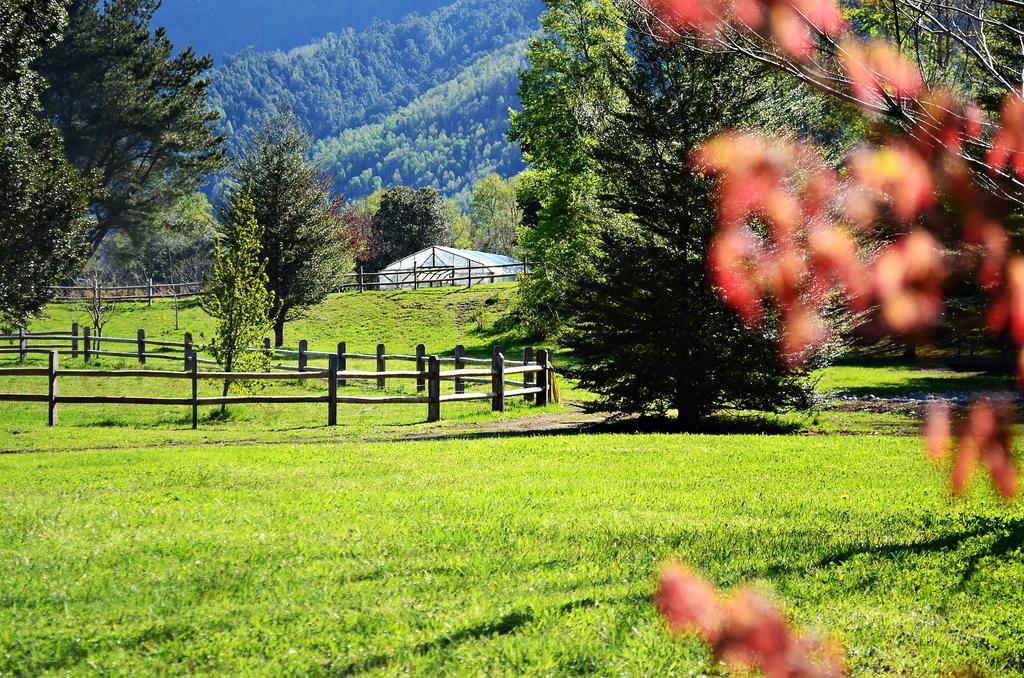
(360, 281)
(531, 379)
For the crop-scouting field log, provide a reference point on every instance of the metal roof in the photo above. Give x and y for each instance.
(440, 255)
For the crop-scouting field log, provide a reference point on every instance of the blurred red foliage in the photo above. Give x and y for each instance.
(1008, 143)
(984, 438)
(745, 630)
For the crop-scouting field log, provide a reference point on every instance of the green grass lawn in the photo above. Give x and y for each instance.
(270, 544)
(890, 379)
(506, 555)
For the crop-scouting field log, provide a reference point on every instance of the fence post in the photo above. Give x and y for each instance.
(460, 364)
(303, 358)
(543, 378)
(332, 391)
(74, 340)
(266, 347)
(195, 394)
(54, 367)
(360, 280)
(190, 353)
(498, 382)
(140, 338)
(342, 362)
(434, 390)
(22, 344)
(87, 343)
(421, 366)
(415, 276)
(382, 366)
(150, 301)
(469, 275)
(528, 377)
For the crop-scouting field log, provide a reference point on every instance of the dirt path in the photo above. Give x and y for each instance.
(560, 422)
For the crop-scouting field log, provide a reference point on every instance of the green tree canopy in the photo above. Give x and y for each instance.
(42, 197)
(559, 91)
(496, 215)
(133, 113)
(237, 295)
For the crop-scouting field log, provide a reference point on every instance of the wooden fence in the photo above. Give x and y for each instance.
(360, 281)
(128, 293)
(530, 378)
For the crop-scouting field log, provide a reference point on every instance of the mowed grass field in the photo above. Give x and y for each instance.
(268, 544)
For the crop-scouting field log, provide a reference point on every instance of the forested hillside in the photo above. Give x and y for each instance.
(447, 139)
(357, 78)
(423, 101)
(220, 27)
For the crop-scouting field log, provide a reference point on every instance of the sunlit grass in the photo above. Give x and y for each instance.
(269, 543)
(510, 555)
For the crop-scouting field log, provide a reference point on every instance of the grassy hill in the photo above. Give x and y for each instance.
(438, 318)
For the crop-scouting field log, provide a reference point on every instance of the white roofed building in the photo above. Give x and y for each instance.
(440, 266)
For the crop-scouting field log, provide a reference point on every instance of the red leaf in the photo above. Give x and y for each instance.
(896, 174)
(1008, 143)
(908, 279)
(689, 604)
(995, 244)
(746, 630)
(879, 74)
(986, 439)
(938, 430)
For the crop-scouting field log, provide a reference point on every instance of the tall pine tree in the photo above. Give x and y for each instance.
(648, 332)
(304, 239)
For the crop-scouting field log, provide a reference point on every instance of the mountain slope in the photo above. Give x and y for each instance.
(353, 79)
(421, 102)
(447, 139)
(220, 27)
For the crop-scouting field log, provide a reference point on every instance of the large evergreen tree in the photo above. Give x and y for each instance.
(132, 112)
(303, 228)
(42, 197)
(648, 332)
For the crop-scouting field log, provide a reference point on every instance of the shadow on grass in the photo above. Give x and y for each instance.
(502, 626)
(998, 364)
(980, 538)
(722, 425)
(950, 384)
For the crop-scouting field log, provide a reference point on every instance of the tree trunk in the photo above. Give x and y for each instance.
(229, 364)
(279, 331)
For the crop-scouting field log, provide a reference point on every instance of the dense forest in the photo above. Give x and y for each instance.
(422, 102)
(447, 139)
(270, 24)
